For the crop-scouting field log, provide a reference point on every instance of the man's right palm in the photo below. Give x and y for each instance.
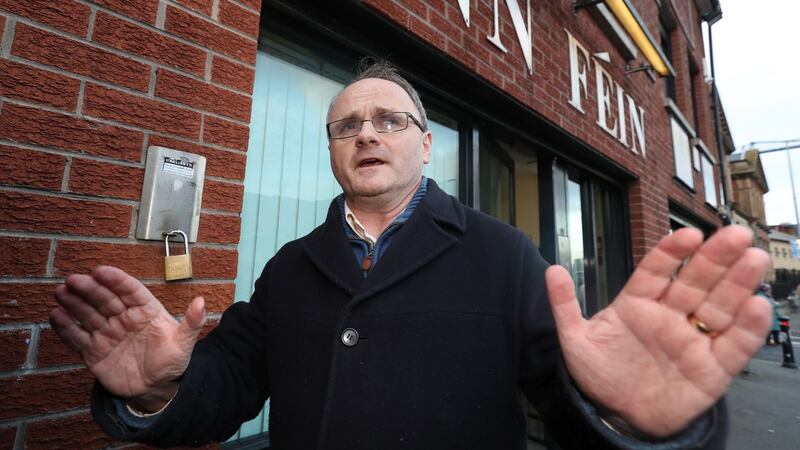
(125, 336)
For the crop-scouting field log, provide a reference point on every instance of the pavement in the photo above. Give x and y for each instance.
(764, 402)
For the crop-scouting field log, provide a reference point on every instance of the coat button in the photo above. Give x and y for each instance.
(349, 337)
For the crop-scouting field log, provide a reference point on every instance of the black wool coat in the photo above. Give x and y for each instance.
(452, 322)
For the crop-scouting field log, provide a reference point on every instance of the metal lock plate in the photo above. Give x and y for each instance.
(171, 194)
(177, 267)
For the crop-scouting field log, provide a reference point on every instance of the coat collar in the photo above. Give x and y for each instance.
(434, 226)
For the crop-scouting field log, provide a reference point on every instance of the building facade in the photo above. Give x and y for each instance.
(588, 125)
(749, 186)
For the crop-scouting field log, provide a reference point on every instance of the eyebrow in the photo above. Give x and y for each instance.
(376, 111)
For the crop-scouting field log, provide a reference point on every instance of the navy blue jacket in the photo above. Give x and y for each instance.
(452, 322)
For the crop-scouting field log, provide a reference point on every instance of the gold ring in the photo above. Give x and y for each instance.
(702, 326)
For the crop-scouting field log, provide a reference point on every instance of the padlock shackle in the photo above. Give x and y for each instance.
(175, 233)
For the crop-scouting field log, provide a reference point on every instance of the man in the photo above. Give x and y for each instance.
(409, 321)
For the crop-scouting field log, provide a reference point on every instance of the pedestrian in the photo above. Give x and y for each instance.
(773, 337)
(407, 320)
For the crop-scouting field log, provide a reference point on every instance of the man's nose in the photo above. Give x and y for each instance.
(367, 135)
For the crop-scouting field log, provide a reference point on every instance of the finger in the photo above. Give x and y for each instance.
(707, 267)
(65, 327)
(89, 318)
(192, 324)
(653, 275)
(740, 341)
(101, 298)
(719, 309)
(130, 290)
(561, 293)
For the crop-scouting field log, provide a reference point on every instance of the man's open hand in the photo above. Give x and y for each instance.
(642, 357)
(125, 336)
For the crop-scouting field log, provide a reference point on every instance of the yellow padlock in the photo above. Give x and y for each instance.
(177, 267)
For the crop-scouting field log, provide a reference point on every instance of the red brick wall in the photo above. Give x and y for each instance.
(546, 91)
(85, 88)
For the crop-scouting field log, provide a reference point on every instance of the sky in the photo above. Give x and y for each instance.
(758, 76)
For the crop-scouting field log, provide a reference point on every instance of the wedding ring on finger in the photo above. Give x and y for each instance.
(702, 326)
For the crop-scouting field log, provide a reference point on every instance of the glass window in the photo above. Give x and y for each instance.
(575, 224)
(288, 183)
(443, 166)
(495, 181)
(682, 152)
(708, 182)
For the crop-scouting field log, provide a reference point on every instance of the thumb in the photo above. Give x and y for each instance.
(193, 322)
(561, 293)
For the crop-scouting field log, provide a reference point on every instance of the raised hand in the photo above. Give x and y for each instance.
(125, 336)
(668, 346)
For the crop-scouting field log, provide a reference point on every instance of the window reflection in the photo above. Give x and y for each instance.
(443, 166)
(495, 181)
(575, 224)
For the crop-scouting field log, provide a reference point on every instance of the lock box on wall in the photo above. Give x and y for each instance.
(172, 193)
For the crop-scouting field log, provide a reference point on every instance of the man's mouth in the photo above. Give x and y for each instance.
(370, 162)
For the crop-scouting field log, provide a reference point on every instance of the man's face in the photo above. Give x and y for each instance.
(371, 164)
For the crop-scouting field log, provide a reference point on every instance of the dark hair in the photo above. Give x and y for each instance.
(370, 67)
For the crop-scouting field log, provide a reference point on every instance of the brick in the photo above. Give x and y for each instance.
(7, 435)
(177, 296)
(200, 95)
(143, 10)
(67, 15)
(31, 212)
(201, 6)
(207, 34)
(219, 163)
(222, 196)
(78, 431)
(31, 168)
(2, 25)
(255, 5)
(44, 393)
(150, 44)
(24, 82)
(239, 18)
(229, 73)
(416, 7)
(425, 31)
(219, 229)
(144, 261)
(15, 349)
(390, 9)
(104, 179)
(23, 257)
(224, 133)
(142, 112)
(68, 54)
(34, 126)
(215, 263)
(26, 302)
(53, 351)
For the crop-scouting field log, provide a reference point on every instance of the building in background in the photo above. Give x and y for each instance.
(783, 248)
(544, 114)
(749, 186)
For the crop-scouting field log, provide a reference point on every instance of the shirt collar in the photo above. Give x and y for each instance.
(358, 228)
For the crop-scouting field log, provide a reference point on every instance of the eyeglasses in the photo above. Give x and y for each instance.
(383, 123)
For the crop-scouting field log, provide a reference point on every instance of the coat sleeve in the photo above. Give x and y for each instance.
(571, 421)
(224, 385)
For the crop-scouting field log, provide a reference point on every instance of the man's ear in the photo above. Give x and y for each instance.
(427, 144)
